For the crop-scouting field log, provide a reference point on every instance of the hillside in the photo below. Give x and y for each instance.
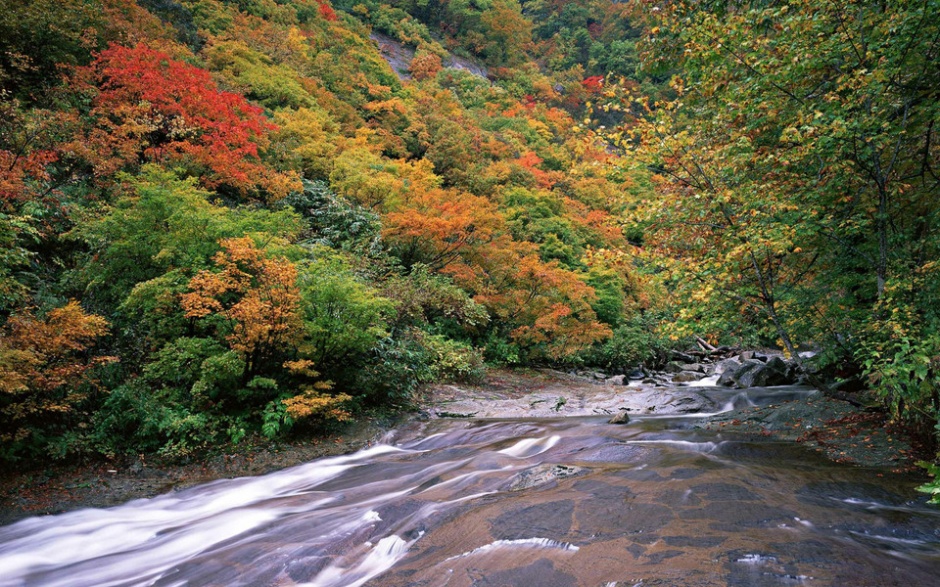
(230, 218)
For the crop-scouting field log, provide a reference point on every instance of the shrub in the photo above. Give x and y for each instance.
(636, 342)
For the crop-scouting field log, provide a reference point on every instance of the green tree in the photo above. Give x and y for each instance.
(798, 163)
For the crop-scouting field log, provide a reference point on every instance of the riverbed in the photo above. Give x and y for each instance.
(524, 501)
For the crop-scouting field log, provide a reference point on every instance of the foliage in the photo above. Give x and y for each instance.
(279, 230)
(334, 222)
(796, 165)
(637, 342)
(451, 360)
(343, 319)
(14, 261)
(47, 374)
(159, 223)
(149, 105)
(932, 487)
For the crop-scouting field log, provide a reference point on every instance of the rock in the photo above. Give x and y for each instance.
(727, 365)
(682, 357)
(746, 356)
(734, 376)
(729, 369)
(758, 374)
(695, 367)
(673, 367)
(689, 403)
(542, 474)
(777, 363)
(686, 376)
(597, 375)
(616, 380)
(620, 418)
(637, 374)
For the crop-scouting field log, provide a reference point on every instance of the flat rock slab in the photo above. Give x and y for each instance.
(551, 394)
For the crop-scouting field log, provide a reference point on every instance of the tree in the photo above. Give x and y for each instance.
(255, 297)
(150, 106)
(799, 163)
(436, 227)
(161, 223)
(46, 374)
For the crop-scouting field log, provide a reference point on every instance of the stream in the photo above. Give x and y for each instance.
(548, 502)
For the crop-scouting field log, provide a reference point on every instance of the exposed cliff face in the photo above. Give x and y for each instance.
(399, 56)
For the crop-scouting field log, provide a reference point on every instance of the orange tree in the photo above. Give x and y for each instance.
(47, 375)
(148, 105)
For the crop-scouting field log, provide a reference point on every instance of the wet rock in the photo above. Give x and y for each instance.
(609, 518)
(726, 379)
(774, 372)
(682, 357)
(724, 492)
(636, 374)
(727, 365)
(541, 572)
(541, 475)
(741, 376)
(673, 367)
(616, 380)
(695, 367)
(545, 519)
(686, 376)
(620, 418)
(694, 541)
(689, 404)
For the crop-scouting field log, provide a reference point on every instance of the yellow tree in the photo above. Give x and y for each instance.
(257, 298)
(45, 369)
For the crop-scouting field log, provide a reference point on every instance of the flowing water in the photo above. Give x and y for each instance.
(529, 503)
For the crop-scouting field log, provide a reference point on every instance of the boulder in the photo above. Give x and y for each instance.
(726, 369)
(637, 374)
(686, 376)
(727, 365)
(689, 404)
(774, 372)
(734, 376)
(621, 417)
(682, 357)
(694, 367)
(673, 367)
(616, 380)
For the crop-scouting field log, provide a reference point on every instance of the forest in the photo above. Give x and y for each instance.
(225, 220)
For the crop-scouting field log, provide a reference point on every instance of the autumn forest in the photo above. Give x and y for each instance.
(233, 220)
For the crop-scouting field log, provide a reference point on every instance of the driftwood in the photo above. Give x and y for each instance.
(705, 346)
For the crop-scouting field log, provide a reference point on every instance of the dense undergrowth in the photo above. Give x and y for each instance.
(229, 217)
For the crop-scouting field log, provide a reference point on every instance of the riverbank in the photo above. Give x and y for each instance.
(832, 427)
(841, 431)
(60, 488)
